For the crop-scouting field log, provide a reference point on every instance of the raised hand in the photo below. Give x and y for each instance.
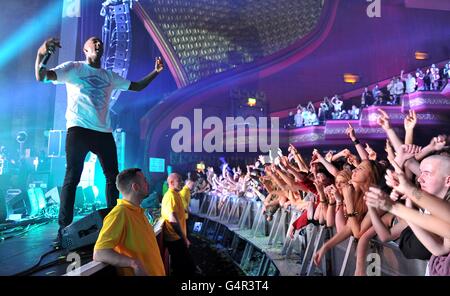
(389, 150)
(371, 153)
(159, 65)
(438, 143)
(397, 180)
(353, 160)
(292, 149)
(383, 120)
(395, 196)
(329, 156)
(410, 120)
(49, 46)
(378, 199)
(350, 131)
(406, 152)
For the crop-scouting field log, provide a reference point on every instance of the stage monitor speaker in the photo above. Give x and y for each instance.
(52, 196)
(85, 231)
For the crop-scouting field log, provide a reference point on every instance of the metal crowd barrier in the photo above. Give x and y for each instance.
(245, 218)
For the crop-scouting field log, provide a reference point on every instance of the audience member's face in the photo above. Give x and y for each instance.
(432, 179)
(322, 179)
(143, 187)
(340, 182)
(176, 183)
(361, 173)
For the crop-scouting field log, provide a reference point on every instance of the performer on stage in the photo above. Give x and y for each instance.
(89, 89)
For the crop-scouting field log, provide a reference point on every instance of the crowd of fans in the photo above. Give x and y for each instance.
(402, 197)
(428, 79)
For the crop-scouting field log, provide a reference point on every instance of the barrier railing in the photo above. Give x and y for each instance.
(271, 240)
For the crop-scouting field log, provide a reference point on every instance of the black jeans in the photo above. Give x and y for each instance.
(79, 142)
(181, 260)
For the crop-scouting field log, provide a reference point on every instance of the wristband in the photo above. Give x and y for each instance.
(356, 142)
(349, 215)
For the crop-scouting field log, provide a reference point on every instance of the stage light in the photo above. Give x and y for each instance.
(251, 102)
(420, 55)
(30, 32)
(351, 78)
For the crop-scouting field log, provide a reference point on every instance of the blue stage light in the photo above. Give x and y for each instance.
(32, 31)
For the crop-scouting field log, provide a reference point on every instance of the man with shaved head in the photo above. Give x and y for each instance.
(89, 89)
(432, 227)
(175, 238)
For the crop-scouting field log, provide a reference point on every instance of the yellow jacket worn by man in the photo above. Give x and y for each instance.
(173, 203)
(173, 215)
(127, 239)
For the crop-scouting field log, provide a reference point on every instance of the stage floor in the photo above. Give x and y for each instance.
(22, 252)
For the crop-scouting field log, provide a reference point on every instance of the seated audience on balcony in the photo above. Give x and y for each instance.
(325, 110)
(420, 78)
(395, 88)
(377, 95)
(391, 89)
(290, 120)
(127, 239)
(337, 103)
(434, 77)
(354, 112)
(398, 91)
(427, 80)
(344, 115)
(410, 82)
(298, 118)
(366, 98)
(446, 71)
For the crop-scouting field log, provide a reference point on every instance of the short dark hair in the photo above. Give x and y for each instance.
(125, 179)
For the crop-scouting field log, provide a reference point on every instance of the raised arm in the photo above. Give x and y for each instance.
(40, 67)
(436, 144)
(330, 167)
(438, 207)
(144, 82)
(430, 223)
(359, 147)
(409, 123)
(384, 121)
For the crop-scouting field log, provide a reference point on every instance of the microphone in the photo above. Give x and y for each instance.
(46, 58)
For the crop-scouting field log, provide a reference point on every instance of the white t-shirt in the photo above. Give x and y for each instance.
(88, 94)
